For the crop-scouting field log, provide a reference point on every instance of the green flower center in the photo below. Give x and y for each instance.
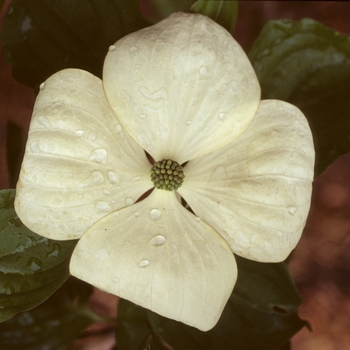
(167, 175)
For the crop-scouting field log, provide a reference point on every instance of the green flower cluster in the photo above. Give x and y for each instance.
(167, 175)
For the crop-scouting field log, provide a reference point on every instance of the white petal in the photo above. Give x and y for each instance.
(181, 88)
(256, 191)
(158, 255)
(79, 163)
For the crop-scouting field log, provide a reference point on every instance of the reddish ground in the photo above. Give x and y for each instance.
(320, 264)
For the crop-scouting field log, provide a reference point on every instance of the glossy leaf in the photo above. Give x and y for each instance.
(222, 12)
(164, 8)
(52, 325)
(261, 314)
(31, 267)
(41, 37)
(133, 328)
(308, 65)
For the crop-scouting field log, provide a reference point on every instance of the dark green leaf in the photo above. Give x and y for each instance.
(308, 65)
(133, 329)
(164, 8)
(221, 11)
(52, 325)
(41, 37)
(14, 150)
(260, 314)
(147, 343)
(31, 267)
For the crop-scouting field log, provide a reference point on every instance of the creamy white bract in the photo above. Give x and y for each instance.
(183, 90)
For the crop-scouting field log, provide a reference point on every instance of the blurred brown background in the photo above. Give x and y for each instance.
(320, 263)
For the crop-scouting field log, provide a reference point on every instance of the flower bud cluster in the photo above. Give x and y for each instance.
(167, 175)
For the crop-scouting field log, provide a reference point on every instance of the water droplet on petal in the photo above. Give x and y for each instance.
(143, 116)
(221, 116)
(98, 155)
(102, 207)
(198, 219)
(134, 51)
(92, 136)
(158, 240)
(143, 263)
(188, 122)
(113, 178)
(115, 279)
(112, 48)
(154, 214)
(220, 173)
(128, 201)
(79, 133)
(136, 214)
(95, 178)
(117, 129)
(55, 251)
(44, 122)
(292, 210)
(203, 71)
(136, 178)
(35, 147)
(35, 264)
(42, 86)
(101, 254)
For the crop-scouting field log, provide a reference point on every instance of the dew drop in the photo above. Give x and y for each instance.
(92, 136)
(101, 254)
(292, 210)
(35, 264)
(55, 251)
(143, 116)
(79, 133)
(107, 193)
(35, 147)
(221, 116)
(8, 288)
(113, 178)
(136, 178)
(128, 201)
(102, 207)
(98, 155)
(161, 94)
(136, 214)
(42, 86)
(117, 129)
(95, 178)
(112, 48)
(115, 279)
(198, 219)
(220, 173)
(154, 214)
(158, 240)
(143, 263)
(44, 122)
(203, 71)
(134, 51)
(188, 122)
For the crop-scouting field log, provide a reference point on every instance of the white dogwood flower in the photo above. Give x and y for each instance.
(183, 91)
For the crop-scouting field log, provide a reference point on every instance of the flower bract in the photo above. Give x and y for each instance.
(182, 91)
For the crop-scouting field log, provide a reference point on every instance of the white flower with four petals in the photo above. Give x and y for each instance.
(181, 90)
